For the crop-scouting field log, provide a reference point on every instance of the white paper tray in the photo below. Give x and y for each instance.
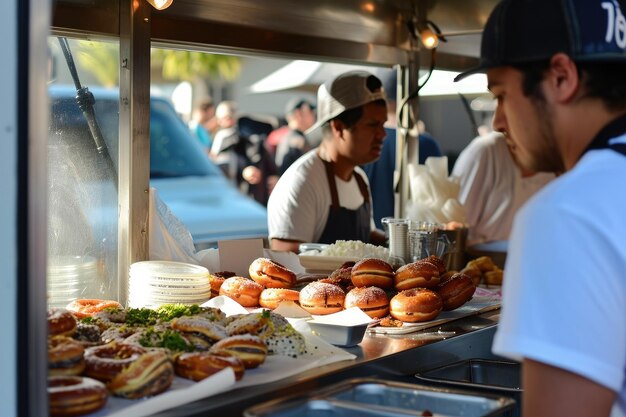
(474, 306)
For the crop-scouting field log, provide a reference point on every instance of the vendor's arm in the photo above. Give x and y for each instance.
(377, 237)
(557, 392)
(285, 245)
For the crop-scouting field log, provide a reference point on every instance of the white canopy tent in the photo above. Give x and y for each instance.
(308, 75)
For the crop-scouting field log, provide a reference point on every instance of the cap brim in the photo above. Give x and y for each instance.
(476, 70)
(316, 126)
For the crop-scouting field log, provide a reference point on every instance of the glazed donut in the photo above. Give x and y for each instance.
(61, 322)
(149, 375)
(65, 356)
(87, 307)
(322, 298)
(272, 297)
(105, 362)
(271, 274)
(250, 349)
(372, 272)
(75, 395)
(456, 291)
(200, 365)
(416, 274)
(243, 290)
(372, 300)
(415, 305)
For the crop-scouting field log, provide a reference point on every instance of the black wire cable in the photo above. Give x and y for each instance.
(416, 91)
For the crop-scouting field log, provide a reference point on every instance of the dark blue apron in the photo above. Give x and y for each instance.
(343, 223)
(614, 129)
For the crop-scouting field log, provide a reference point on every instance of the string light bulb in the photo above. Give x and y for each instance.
(430, 40)
(160, 4)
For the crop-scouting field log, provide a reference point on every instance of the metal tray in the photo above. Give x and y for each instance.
(480, 375)
(477, 373)
(381, 398)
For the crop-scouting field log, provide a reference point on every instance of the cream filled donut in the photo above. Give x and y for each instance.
(415, 305)
(322, 298)
(271, 274)
(243, 290)
(372, 300)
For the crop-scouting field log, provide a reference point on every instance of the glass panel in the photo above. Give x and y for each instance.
(82, 189)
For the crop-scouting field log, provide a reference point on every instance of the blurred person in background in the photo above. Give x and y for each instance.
(324, 196)
(300, 116)
(380, 173)
(203, 122)
(561, 99)
(493, 186)
(243, 159)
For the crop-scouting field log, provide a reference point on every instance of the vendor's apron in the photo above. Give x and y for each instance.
(343, 223)
(614, 129)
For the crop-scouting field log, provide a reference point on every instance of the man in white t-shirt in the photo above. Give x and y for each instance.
(324, 196)
(562, 99)
(493, 186)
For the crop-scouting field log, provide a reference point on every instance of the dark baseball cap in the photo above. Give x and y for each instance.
(524, 31)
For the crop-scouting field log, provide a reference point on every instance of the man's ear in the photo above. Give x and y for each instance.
(337, 127)
(563, 78)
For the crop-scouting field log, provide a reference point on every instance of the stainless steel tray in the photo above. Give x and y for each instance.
(380, 398)
(477, 373)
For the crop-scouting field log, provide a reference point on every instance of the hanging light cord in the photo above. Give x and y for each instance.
(416, 91)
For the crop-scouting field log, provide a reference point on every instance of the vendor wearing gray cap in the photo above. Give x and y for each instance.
(558, 71)
(324, 196)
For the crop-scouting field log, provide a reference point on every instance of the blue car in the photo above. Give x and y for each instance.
(194, 189)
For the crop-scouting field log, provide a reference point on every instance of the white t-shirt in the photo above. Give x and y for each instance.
(299, 204)
(565, 282)
(492, 188)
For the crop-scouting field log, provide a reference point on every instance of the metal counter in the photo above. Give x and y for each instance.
(382, 356)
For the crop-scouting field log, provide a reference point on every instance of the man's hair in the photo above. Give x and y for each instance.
(602, 80)
(350, 117)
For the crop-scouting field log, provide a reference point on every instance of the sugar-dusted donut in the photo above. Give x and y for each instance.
(456, 291)
(243, 290)
(415, 305)
(272, 297)
(417, 274)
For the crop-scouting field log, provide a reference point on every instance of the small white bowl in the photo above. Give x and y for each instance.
(338, 334)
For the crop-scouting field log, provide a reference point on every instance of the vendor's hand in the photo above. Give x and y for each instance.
(252, 175)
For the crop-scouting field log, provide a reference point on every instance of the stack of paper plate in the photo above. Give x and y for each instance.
(69, 278)
(152, 283)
